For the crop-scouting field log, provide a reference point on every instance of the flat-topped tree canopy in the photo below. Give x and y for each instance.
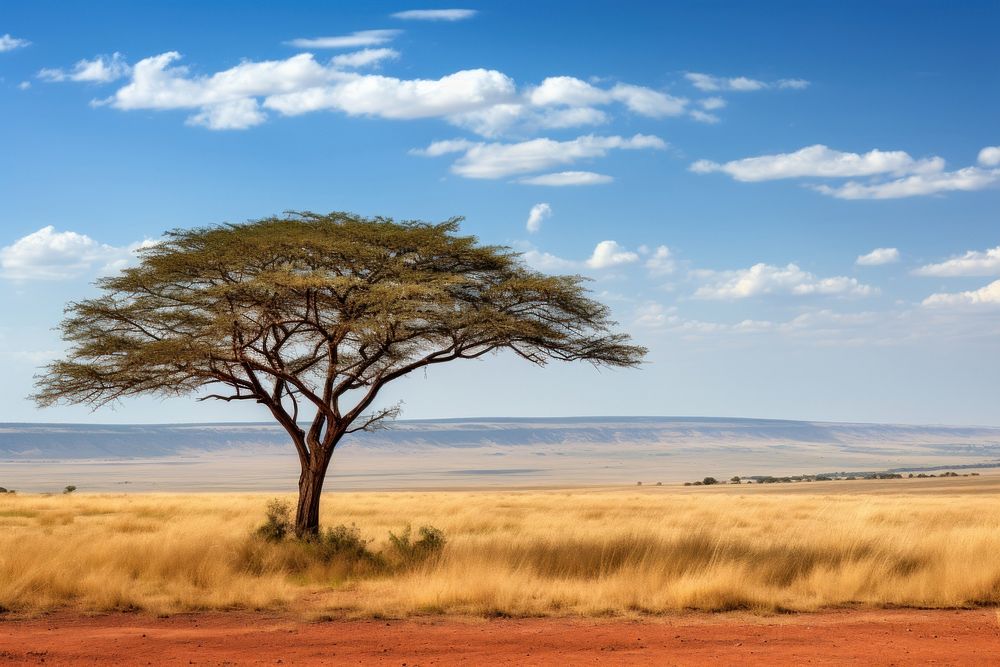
(312, 315)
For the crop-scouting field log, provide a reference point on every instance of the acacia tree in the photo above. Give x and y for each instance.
(311, 316)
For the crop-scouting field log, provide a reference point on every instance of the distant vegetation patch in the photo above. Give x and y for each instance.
(828, 477)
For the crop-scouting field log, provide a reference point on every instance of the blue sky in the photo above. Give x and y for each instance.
(793, 205)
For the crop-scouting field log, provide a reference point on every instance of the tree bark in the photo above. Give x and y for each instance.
(310, 489)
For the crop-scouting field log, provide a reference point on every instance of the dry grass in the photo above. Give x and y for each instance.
(553, 552)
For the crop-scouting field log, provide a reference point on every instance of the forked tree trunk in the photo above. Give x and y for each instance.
(310, 489)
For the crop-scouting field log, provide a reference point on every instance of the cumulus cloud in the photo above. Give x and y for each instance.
(300, 84)
(894, 174)
(661, 262)
(704, 116)
(48, 254)
(570, 91)
(8, 43)
(972, 263)
(363, 58)
(761, 279)
(608, 254)
(544, 261)
(984, 296)
(967, 179)
(435, 14)
(538, 213)
(102, 69)
(989, 156)
(709, 83)
(878, 256)
(352, 41)
(497, 160)
(818, 161)
(568, 178)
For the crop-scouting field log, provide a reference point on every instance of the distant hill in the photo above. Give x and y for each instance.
(488, 451)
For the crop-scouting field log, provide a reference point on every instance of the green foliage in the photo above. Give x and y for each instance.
(278, 521)
(69, 489)
(344, 542)
(709, 480)
(408, 551)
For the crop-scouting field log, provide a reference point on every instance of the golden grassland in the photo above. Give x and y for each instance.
(560, 552)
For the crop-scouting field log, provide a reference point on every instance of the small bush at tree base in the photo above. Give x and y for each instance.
(343, 542)
(278, 523)
(410, 552)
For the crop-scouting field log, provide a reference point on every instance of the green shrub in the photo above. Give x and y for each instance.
(278, 522)
(709, 480)
(69, 489)
(344, 543)
(409, 552)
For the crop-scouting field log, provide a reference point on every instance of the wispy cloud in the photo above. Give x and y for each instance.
(907, 176)
(568, 178)
(984, 296)
(102, 69)
(498, 160)
(878, 257)
(9, 43)
(762, 279)
(363, 58)
(538, 213)
(972, 263)
(817, 161)
(435, 14)
(741, 84)
(351, 41)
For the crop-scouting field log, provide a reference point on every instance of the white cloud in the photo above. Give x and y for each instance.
(24, 85)
(497, 160)
(608, 254)
(543, 261)
(704, 116)
(50, 255)
(818, 161)
(972, 263)
(911, 177)
(984, 296)
(661, 262)
(568, 178)
(762, 279)
(388, 97)
(436, 14)
(570, 91)
(237, 114)
(989, 156)
(352, 41)
(363, 58)
(9, 43)
(538, 213)
(794, 84)
(648, 102)
(299, 85)
(878, 256)
(712, 103)
(967, 179)
(102, 69)
(741, 84)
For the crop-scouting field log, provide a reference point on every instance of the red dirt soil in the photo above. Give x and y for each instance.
(893, 637)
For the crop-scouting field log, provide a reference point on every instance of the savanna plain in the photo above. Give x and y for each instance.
(635, 552)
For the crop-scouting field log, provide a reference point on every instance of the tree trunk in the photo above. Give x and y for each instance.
(310, 488)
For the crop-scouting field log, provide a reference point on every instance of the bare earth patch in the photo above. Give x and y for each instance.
(878, 637)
